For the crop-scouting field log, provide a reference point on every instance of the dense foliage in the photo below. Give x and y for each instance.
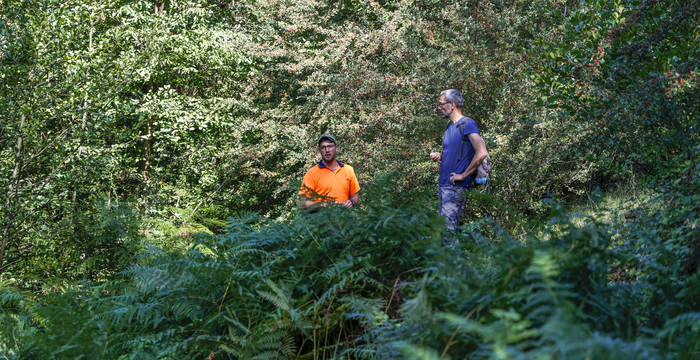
(377, 283)
(128, 126)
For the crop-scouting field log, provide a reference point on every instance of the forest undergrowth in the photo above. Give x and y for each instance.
(375, 282)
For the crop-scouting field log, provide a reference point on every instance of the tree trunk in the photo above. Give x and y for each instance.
(159, 6)
(10, 201)
(147, 150)
(74, 197)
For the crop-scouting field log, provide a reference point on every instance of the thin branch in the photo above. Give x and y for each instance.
(51, 144)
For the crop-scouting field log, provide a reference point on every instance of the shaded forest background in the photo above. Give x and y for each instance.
(127, 127)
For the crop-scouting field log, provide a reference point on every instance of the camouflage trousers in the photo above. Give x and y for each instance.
(451, 204)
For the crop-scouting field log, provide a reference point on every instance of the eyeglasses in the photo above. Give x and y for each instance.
(442, 103)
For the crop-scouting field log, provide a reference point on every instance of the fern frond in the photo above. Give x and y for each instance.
(682, 322)
(419, 353)
(280, 302)
(10, 297)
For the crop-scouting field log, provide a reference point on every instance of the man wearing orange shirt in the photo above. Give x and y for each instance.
(329, 181)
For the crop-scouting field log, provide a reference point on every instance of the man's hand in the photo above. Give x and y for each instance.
(456, 177)
(435, 156)
(312, 205)
(348, 204)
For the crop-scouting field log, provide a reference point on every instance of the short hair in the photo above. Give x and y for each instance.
(453, 96)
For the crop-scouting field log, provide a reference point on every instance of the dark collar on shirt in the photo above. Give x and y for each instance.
(463, 119)
(322, 165)
(456, 123)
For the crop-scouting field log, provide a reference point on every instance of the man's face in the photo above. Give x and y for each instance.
(444, 107)
(328, 150)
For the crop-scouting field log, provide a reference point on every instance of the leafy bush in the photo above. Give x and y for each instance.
(620, 78)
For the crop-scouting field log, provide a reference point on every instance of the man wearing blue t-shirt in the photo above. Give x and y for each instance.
(462, 152)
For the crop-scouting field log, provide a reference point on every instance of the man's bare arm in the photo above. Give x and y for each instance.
(480, 154)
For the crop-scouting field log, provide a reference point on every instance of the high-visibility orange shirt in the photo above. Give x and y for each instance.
(322, 184)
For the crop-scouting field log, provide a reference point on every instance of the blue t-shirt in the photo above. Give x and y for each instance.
(455, 159)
